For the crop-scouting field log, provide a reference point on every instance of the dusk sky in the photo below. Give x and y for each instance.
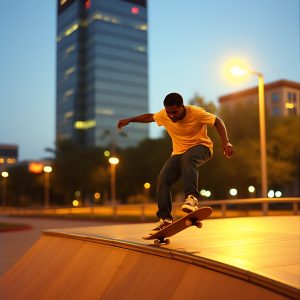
(190, 42)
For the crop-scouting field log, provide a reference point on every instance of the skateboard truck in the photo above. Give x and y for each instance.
(161, 241)
(195, 222)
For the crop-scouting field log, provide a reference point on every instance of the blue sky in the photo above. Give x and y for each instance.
(190, 41)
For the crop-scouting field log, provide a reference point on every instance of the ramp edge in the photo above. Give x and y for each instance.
(245, 275)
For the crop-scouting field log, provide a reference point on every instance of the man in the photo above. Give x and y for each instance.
(187, 127)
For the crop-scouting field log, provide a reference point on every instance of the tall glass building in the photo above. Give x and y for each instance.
(102, 70)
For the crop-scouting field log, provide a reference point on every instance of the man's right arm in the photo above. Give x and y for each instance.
(146, 118)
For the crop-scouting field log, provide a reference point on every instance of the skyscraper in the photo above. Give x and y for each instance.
(102, 70)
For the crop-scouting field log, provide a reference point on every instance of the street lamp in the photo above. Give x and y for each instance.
(47, 171)
(233, 192)
(147, 187)
(113, 163)
(238, 72)
(4, 175)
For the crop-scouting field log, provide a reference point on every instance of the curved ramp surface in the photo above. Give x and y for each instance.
(113, 262)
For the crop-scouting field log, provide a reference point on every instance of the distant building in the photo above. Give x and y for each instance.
(282, 98)
(102, 70)
(8, 156)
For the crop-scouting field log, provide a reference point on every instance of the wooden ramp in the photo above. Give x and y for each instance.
(250, 258)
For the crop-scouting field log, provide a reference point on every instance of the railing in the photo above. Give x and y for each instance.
(265, 208)
(143, 212)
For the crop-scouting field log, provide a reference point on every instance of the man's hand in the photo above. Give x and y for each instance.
(123, 123)
(228, 149)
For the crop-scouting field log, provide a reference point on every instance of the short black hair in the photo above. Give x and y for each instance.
(173, 99)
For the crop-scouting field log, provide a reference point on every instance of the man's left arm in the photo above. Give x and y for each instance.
(228, 149)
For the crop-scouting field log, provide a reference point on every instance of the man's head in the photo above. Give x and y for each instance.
(174, 107)
(173, 99)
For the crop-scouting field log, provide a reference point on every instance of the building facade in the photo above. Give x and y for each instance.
(282, 98)
(8, 156)
(102, 70)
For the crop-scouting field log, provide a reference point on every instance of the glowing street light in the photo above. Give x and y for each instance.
(238, 71)
(233, 192)
(4, 175)
(251, 189)
(113, 163)
(75, 203)
(47, 171)
(271, 194)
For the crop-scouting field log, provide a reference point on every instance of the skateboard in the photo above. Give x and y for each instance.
(193, 218)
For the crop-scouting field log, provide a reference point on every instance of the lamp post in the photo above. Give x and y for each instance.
(238, 71)
(47, 171)
(4, 175)
(113, 163)
(147, 187)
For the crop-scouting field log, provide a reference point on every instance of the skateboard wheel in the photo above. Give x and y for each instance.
(188, 222)
(156, 242)
(167, 241)
(199, 224)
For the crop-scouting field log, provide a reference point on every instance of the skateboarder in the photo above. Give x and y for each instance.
(187, 127)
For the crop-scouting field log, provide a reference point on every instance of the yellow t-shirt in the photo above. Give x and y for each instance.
(190, 131)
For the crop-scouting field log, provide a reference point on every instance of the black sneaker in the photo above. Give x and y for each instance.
(160, 225)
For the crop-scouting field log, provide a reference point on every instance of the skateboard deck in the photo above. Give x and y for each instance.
(193, 218)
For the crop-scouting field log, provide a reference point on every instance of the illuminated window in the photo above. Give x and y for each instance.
(70, 49)
(85, 124)
(105, 18)
(11, 160)
(140, 48)
(70, 30)
(143, 27)
(103, 111)
(69, 114)
(69, 71)
(69, 93)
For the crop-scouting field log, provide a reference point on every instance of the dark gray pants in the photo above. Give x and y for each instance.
(183, 165)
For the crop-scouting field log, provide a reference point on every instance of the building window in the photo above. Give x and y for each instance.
(275, 111)
(275, 97)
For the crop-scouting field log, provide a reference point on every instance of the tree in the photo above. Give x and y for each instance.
(25, 188)
(78, 168)
(283, 151)
(142, 164)
(199, 101)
